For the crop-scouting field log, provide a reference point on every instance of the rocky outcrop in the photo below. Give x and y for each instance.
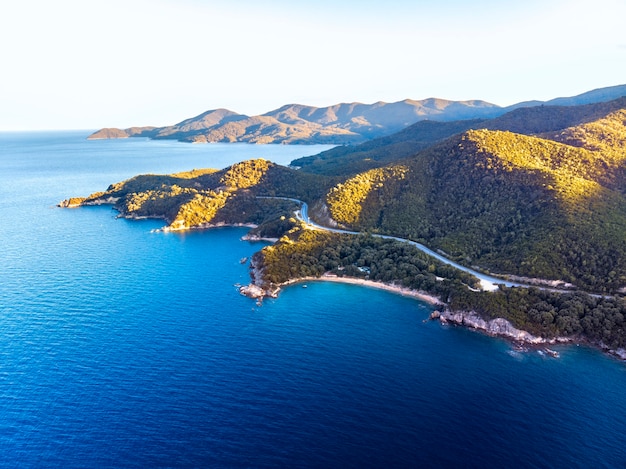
(252, 291)
(254, 237)
(94, 199)
(72, 202)
(101, 201)
(496, 327)
(619, 353)
(258, 289)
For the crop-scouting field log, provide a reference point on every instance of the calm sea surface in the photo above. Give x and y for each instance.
(120, 347)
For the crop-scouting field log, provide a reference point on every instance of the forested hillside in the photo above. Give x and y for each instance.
(201, 198)
(550, 205)
(509, 202)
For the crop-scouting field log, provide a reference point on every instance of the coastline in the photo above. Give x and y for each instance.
(208, 226)
(404, 291)
(498, 327)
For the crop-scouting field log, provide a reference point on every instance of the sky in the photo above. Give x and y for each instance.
(76, 64)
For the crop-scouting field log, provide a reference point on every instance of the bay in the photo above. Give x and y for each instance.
(121, 347)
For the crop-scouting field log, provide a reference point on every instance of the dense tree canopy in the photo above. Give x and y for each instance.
(303, 253)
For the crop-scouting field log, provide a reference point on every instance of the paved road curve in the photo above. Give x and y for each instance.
(487, 282)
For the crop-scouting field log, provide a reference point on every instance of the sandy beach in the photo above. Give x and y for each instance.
(372, 284)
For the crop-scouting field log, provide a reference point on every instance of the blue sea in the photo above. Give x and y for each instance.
(124, 347)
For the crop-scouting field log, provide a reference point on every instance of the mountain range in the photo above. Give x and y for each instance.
(351, 159)
(340, 124)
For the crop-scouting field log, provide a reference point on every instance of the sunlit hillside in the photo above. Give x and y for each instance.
(512, 203)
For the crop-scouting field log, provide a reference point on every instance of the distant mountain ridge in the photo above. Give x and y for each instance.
(295, 123)
(339, 124)
(535, 120)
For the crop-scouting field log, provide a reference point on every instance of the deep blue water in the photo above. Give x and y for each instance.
(121, 347)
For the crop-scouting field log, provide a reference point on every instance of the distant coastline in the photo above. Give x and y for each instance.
(338, 124)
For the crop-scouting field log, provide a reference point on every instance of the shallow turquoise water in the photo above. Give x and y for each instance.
(121, 347)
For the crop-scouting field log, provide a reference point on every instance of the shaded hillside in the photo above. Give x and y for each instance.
(346, 160)
(508, 202)
(546, 121)
(598, 95)
(541, 119)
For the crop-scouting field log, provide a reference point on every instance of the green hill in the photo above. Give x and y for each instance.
(507, 202)
(200, 198)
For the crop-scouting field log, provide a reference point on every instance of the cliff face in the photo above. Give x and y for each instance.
(497, 327)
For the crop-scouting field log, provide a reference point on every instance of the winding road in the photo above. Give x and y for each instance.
(487, 282)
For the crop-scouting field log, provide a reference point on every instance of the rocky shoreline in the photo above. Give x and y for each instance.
(254, 289)
(75, 202)
(498, 327)
(208, 226)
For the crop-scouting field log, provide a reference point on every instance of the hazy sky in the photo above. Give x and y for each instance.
(83, 64)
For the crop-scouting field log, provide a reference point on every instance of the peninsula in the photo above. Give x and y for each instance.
(536, 197)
